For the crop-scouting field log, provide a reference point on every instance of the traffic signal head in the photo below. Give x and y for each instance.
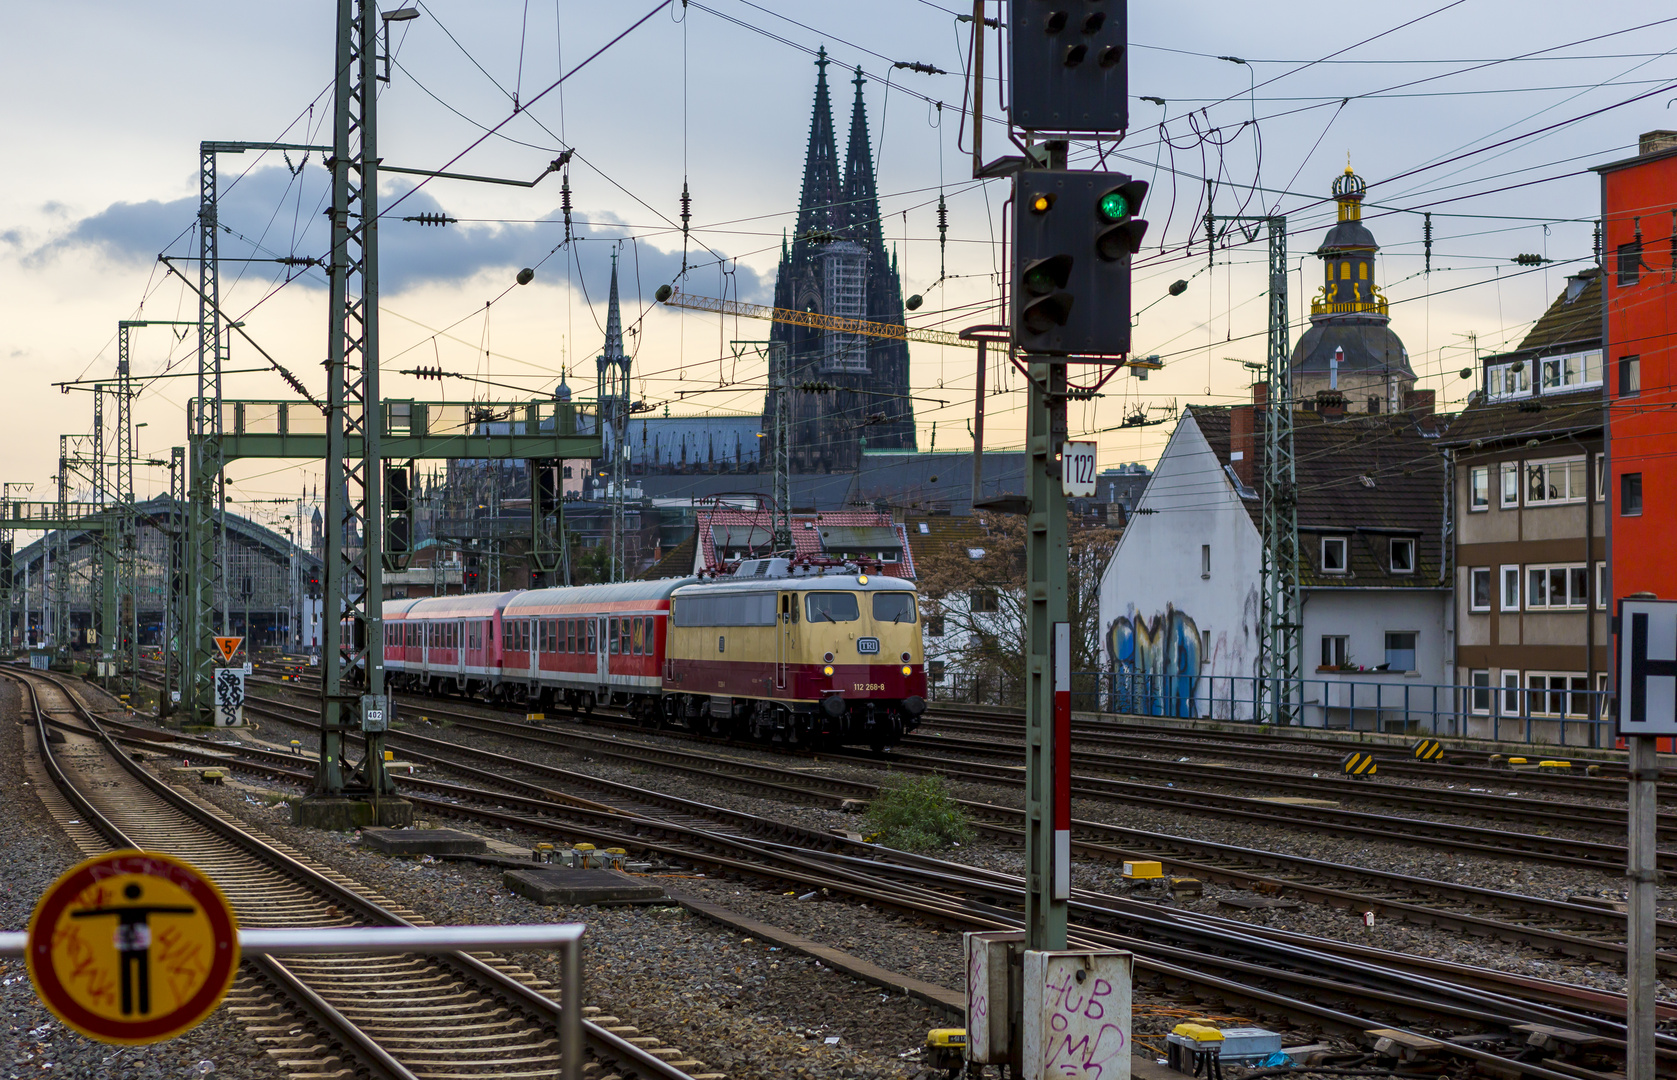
(1068, 65)
(1074, 234)
(1119, 230)
(1044, 303)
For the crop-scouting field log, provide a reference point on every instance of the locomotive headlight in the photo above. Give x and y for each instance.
(907, 670)
(863, 580)
(828, 670)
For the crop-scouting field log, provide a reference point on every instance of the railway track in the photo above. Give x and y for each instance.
(1479, 804)
(401, 1017)
(1562, 927)
(1271, 973)
(1258, 742)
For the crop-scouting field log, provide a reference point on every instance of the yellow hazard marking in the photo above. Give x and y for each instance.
(1358, 763)
(132, 947)
(1429, 750)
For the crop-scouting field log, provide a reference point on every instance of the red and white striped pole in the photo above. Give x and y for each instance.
(1062, 761)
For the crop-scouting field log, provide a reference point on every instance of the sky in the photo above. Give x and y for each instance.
(1445, 106)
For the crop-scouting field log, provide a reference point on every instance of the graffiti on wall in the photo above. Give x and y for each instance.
(1156, 665)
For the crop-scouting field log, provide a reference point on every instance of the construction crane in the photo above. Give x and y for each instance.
(837, 323)
(841, 324)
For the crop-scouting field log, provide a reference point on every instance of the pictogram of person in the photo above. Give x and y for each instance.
(133, 942)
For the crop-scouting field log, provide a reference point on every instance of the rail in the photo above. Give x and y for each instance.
(430, 940)
(1558, 712)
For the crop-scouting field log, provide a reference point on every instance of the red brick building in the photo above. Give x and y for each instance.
(1639, 208)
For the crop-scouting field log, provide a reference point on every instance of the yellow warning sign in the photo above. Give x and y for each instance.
(132, 947)
(228, 646)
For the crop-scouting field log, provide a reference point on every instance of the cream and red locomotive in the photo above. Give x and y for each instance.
(775, 651)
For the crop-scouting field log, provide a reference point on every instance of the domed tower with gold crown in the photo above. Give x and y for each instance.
(1350, 357)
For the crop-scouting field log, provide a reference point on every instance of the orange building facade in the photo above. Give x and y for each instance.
(1639, 210)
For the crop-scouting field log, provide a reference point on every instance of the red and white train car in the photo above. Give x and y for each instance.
(590, 644)
(446, 644)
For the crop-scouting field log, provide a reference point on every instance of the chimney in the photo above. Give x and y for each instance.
(1242, 446)
(1330, 404)
(1420, 402)
(1260, 395)
(1652, 142)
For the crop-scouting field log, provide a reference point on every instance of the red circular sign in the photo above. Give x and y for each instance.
(132, 947)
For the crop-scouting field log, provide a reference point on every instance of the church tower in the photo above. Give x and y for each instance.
(1350, 354)
(836, 264)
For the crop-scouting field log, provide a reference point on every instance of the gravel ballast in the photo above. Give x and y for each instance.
(32, 1042)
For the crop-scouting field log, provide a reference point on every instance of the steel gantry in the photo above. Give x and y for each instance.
(7, 549)
(204, 584)
(1280, 647)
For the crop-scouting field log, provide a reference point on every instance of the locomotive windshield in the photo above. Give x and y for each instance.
(832, 607)
(893, 607)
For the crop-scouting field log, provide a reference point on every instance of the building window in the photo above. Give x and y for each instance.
(1563, 372)
(1551, 482)
(1510, 476)
(1336, 651)
(1403, 556)
(1630, 376)
(1205, 560)
(1601, 584)
(1630, 263)
(1630, 494)
(1551, 587)
(925, 529)
(1480, 700)
(984, 601)
(1554, 693)
(1508, 380)
(1511, 693)
(1479, 588)
(1511, 588)
(934, 626)
(1400, 650)
(1333, 555)
(1479, 487)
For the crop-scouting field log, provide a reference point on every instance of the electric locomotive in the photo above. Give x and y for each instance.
(797, 654)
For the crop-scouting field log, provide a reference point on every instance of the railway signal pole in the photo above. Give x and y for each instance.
(1073, 237)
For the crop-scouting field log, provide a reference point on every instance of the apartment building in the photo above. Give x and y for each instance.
(1530, 526)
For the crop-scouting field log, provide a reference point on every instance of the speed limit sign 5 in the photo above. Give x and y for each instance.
(1077, 469)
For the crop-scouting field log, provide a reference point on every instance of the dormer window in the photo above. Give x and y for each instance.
(1403, 556)
(1334, 555)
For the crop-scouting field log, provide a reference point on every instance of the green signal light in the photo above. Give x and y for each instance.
(1114, 207)
(1037, 282)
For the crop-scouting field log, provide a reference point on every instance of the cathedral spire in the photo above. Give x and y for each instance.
(818, 209)
(613, 352)
(861, 197)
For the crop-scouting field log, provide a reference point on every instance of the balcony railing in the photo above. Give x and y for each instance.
(1377, 306)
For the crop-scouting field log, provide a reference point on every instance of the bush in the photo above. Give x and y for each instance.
(917, 814)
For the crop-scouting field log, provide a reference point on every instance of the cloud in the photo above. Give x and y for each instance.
(270, 213)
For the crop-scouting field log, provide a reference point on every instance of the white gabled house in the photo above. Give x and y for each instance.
(1181, 613)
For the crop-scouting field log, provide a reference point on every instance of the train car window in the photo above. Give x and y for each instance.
(611, 632)
(651, 636)
(726, 609)
(570, 635)
(593, 646)
(893, 607)
(637, 637)
(832, 607)
(623, 636)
